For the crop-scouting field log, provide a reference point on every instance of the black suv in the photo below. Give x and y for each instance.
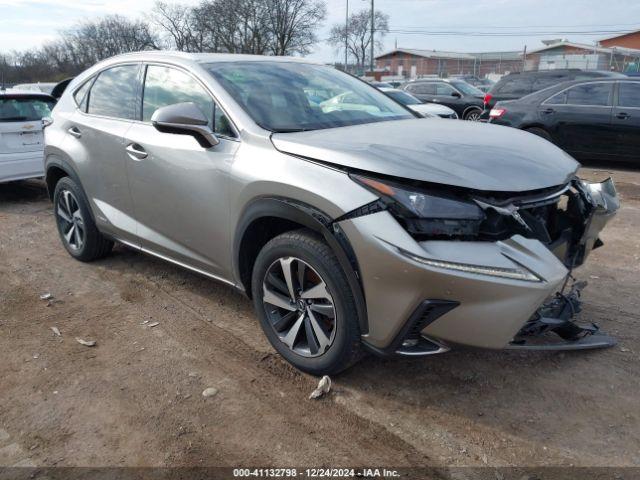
(518, 84)
(465, 99)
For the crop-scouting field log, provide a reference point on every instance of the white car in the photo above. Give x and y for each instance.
(21, 138)
(426, 109)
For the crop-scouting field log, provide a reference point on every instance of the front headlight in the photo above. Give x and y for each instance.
(426, 213)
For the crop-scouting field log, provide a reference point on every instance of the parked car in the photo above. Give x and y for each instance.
(21, 139)
(424, 109)
(518, 84)
(38, 87)
(350, 229)
(381, 84)
(590, 119)
(483, 84)
(466, 100)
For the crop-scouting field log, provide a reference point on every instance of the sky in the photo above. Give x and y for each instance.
(416, 23)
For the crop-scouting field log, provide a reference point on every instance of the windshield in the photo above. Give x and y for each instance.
(404, 98)
(467, 89)
(289, 97)
(24, 109)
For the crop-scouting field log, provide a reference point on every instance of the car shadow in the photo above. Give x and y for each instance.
(22, 191)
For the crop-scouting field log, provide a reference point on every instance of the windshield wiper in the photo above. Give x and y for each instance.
(291, 130)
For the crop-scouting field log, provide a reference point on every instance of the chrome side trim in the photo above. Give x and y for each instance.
(180, 264)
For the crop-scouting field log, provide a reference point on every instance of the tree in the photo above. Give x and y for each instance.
(177, 24)
(357, 33)
(292, 24)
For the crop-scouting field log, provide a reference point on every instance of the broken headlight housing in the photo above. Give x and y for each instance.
(427, 214)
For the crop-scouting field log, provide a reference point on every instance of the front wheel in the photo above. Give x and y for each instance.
(305, 305)
(473, 115)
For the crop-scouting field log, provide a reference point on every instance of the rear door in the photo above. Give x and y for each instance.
(579, 119)
(96, 138)
(626, 121)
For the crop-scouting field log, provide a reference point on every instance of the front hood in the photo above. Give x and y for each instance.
(459, 153)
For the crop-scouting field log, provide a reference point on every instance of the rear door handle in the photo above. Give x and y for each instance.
(75, 132)
(623, 115)
(136, 151)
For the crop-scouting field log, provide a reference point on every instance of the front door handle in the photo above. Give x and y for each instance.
(136, 151)
(623, 115)
(548, 111)
(75, 132)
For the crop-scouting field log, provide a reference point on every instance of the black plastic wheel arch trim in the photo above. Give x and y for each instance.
(315, 220)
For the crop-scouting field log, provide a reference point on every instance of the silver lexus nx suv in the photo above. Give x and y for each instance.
(354, 225)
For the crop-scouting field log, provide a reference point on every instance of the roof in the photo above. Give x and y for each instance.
(428, 53)
(208, 57)
(619, 35)
(24, 93)
(506, 55)
(587, 47)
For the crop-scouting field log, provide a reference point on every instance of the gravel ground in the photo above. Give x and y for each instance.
(135, 399)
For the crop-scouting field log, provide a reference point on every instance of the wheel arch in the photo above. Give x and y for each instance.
(265, 218)
(55, 169)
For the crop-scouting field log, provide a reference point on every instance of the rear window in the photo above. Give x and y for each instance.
(24, 109)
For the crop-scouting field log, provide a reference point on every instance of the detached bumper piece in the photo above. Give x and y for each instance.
(552, 327)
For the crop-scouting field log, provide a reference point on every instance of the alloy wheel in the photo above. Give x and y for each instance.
(299, 306)
(70, 220)
(474, 116)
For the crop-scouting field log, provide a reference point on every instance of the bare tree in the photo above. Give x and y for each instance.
(293, 23)
(176, 22)
(357, 34)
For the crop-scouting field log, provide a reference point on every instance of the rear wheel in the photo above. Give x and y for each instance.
(541, 132)
(78, 232)
(304, 303)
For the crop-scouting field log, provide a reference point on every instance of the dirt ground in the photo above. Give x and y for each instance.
(135, 399)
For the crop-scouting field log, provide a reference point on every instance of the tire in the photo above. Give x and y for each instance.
(541, 132)
(337, 345)
(77, 230)
(472, 115)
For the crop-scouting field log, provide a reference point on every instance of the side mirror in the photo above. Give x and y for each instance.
(456, 94)
(185, 119)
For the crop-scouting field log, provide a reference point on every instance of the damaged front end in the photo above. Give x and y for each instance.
(568, 222)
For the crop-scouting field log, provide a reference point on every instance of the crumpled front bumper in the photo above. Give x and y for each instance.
(491, 309)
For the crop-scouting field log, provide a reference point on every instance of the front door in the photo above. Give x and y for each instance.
(180, 188)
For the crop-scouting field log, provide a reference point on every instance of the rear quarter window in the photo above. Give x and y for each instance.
(516, 86)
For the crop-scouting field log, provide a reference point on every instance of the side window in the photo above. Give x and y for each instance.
(629, 94)
(114, 93)
(166, 86)
(516, 86)
(424, 89)
(81, 97)
(592, 94)
(541, 83)
(558, 99)
(444, 89)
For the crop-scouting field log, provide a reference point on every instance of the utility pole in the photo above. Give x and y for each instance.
(372, 30)
(346, 38)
